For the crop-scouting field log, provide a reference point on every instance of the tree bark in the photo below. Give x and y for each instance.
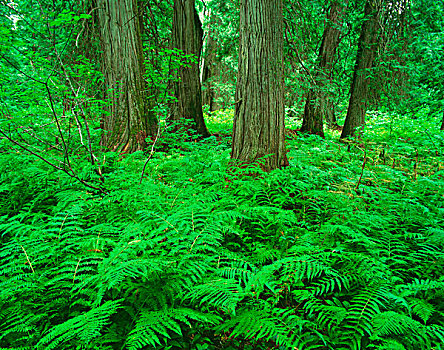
(367, 46)
(442, 123)
(258, 129)
(318, 103)
(130, 119)
(187, 36)
(210, 68)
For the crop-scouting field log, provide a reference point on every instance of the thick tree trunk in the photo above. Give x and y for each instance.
(258, 129)
(367, 46)
(318, 103)
(187, 36)
(130, 119)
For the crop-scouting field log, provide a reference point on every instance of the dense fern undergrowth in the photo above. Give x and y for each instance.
(343, 249)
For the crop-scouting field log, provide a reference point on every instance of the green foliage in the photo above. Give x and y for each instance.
(426, 64)
(341, 250)
(206, 254)
(220, 121)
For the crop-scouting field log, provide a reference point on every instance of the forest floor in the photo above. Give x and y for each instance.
(343, 249)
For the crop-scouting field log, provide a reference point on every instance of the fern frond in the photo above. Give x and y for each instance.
(423, 285)
(390, 344)
(422, 308)
(363, 308)
(328, 314)
(220, 293)
(303, 267)
(154, 327)
(436, 332)
(327, 285)
(85, 327)
(266, 253)
(237, 270)
(391, 323)
(17, 321)
(279, 325)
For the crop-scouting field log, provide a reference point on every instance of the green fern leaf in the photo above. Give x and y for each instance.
(85, 327)
(155, 327)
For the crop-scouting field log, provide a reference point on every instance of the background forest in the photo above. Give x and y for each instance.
(222, 174)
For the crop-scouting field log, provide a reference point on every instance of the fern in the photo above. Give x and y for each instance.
(165, 323)
(393, 324)
(389, 344)
(198, 254)
(422, 308)
(278, 325)
(327, 285)
(363, 307)
(84, 327)
(221, 293)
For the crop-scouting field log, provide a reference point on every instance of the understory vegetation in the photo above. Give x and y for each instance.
(221, 175)
(343, 249)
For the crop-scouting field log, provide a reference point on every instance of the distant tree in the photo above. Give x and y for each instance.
(210, 66)
(130, 119)
(187, 36)
(389, 71)
(367, 48)
(258, 129)
(442, 123)
(318, 104)
(221, 47)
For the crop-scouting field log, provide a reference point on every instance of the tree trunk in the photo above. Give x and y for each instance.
(187, 36)
(367, 46)
(210, 69)
(318, 103)
(130, 119)
(258, 129)
(442, 123)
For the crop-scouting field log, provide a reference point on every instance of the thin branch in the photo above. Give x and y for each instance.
(298, 56)
(151, 154)
(70, 173)
(83, 26)
(416, 164)
(32, 152)
(362, 170)
(75, 271)
(27, 258)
